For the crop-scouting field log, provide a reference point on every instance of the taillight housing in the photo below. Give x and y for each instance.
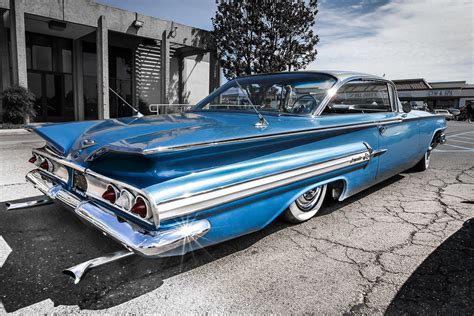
(111, 194)
(46, 165)
(125, 200)
(32, 159)
(140, 207)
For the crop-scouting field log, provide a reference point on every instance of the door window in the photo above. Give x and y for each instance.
(360, 96)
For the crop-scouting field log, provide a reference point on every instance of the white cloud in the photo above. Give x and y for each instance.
(403, 39)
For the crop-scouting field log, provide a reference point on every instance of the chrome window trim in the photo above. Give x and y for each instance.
(339, 84)
(245, 139)
(188, 204)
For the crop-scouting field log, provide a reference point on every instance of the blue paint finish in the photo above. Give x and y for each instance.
(401, 140)
(137, 153)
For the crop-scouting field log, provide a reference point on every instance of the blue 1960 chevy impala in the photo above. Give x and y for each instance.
(258, 147)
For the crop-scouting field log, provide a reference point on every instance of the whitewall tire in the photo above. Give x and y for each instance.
(306, 206)
(424, 163)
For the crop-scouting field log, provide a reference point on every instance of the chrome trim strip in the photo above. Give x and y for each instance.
(378, 152)
(131, 236)
(251, 138)
(185, 205)
(143, 243)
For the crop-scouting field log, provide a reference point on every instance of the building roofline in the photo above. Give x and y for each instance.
(88, 12)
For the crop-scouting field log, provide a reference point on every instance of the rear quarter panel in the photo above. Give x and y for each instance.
(429, 125)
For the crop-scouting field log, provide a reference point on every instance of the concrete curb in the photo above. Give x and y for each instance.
(13, 131)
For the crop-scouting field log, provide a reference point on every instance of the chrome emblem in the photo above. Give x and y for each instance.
(87, 143)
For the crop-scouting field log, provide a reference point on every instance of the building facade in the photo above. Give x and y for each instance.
(437, 95)
(82, 59)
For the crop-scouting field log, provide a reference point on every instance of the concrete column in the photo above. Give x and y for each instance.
(181, 83)
(4, 55)
(214, 71)
(18, 43)
(4, 59)
(103, 69)
(78, 80)
(165, 68)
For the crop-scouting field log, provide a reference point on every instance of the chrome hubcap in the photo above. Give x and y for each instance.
(309, 199)
(427, 158)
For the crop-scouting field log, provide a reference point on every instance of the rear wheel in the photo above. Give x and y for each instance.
(306, 206)
(424, 163)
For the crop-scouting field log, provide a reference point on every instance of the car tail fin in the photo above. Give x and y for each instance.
(63, 135)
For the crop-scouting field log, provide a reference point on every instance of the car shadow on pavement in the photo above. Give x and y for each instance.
(47, 239)
(444, 282)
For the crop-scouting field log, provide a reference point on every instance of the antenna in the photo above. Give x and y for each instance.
(137, 113)
(262, 122)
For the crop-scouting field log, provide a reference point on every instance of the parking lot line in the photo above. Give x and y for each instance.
(461, 141)
(463, 133)
(461, 137)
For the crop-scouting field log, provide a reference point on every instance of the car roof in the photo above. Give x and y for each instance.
(339, 74)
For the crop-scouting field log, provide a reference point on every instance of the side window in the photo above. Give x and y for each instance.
(393, 98)
(360, 97)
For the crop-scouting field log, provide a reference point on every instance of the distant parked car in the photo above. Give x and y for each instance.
(444, 112)
(455, 112)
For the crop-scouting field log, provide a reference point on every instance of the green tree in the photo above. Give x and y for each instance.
(259, 36)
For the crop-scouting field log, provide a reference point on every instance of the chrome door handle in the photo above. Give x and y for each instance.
(381, 130)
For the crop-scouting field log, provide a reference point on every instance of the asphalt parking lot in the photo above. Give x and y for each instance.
(403, 246)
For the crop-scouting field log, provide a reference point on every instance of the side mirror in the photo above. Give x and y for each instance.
(406, 107)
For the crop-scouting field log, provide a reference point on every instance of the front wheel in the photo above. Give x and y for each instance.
(424, 163)
(306, 206)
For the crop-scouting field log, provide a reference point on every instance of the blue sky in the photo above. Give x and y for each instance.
(433, 39)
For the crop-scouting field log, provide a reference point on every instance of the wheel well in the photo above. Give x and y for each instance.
(434, 140)
(336, 188)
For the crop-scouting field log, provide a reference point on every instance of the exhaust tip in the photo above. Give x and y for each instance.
(77, 278)
(78, 271)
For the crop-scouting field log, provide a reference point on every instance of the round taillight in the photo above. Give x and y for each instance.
(32, 159)
(44, 165)
(140, 207)
(110, 194)
(125, 200)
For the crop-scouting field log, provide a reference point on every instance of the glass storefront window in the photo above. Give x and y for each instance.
(66, 60)
(34, 85)
(49, 63)
(120, 74)
(28, 57)
(42, 58)
(90, 98)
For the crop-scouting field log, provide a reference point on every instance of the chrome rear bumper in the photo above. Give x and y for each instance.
(131, 236)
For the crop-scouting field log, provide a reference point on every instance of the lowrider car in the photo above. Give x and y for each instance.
(257, 148)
